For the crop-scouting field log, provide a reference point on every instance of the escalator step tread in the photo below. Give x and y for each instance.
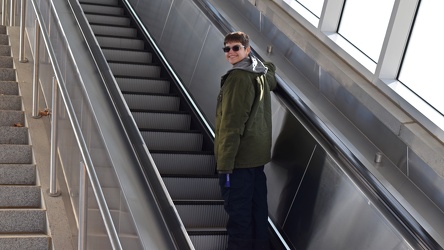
(171, 131)
(117, 36)
(180, 112)
(98, 4)
(207, 231)
(125, 49)
(191, 176)
(199, 202)
(111, 25)
(105, 14)
(132, 63)
(149, 94)
(181, 152)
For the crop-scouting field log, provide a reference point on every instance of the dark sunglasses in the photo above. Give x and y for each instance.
(226, 49)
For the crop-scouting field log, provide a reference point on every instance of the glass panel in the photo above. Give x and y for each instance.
(364, 24)
(422, 65)
(314, 6)
(310, 10)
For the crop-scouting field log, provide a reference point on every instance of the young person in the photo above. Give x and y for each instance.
(243, 143)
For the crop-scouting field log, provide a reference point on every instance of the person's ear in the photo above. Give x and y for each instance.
(248, 49)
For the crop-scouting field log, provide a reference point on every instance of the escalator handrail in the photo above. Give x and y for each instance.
(170, 216)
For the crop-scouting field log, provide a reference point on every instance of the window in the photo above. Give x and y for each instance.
(309, 9)
(314, 6)
(422, 64)
(364, 24)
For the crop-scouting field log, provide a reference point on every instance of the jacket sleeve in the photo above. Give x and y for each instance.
(271, 75)
(237, 100)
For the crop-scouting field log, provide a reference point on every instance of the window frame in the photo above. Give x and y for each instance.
(384, 73)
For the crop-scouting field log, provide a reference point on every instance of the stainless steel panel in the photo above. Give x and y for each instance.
(183, 38)
(292, 150)
(154, 14)
(331, 212)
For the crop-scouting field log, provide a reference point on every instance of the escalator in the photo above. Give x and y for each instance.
(181, 151)
(305, 201)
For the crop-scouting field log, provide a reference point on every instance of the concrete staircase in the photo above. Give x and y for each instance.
(23, 223)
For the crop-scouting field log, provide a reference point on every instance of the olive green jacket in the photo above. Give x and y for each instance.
(243, 116)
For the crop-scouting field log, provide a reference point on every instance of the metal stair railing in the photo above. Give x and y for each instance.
(86, 157)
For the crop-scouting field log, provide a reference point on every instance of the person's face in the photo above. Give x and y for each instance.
(234, 56)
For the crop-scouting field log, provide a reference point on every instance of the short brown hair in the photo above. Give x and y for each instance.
(237, 36)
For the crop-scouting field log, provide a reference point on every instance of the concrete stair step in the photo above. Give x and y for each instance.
(18, 154)
(7, 74)
(6, 62)
(20, 196)
(4, 39)
(11, 117)
(25, 220)
(14, 135)
(5, 50)
(25, 241)
(17, 174)
(9, 88)
(10, 102)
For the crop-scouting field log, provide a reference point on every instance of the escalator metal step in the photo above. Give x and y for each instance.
(131, 56)
(192, 188)
(152, 102)
(187, 172)
(174, 141)
(203, 215)
(102, 9)
(102, 2)
(154, 86)
(173, 121)
(135, 70)
(209, 241)
(120, 42)
(175, 163)
(108, 19)
(114, 30)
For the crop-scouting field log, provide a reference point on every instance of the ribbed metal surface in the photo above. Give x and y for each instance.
(192, 188)
(135, 70)
(188, 173)
(109, 20)
(213, 242)
(173, 141)
(199, 164)
(202, 216)
(120, 42)
(152, 102)
(162, 120)
(114, 31)
(134, 56)
(108, 2)
(153, 86)
(110, 10)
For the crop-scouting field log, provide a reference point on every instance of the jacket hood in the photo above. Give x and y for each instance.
(251, 64)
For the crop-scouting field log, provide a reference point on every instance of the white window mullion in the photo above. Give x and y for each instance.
(395, 41)
(331, 15)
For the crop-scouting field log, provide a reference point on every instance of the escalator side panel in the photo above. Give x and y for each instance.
(319, 206)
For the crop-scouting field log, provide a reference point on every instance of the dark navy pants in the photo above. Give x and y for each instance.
(246, 205)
